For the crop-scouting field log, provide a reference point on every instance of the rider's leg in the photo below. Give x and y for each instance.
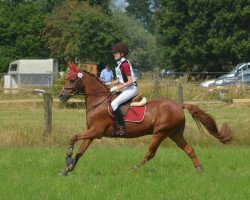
(123, 97)
(120, 124)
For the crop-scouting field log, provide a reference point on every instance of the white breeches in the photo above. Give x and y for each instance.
(126, 94)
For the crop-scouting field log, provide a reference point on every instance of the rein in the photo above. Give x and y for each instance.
(99, 103)
(96, 93)
(77, 89)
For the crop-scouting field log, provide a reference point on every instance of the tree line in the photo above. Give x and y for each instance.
(184, 35)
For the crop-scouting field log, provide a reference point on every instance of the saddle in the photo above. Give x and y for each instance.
(135, 101)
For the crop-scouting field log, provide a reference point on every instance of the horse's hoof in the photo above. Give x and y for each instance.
(199, 169)
(64, 172)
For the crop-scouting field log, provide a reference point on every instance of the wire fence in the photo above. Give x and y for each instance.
(178, 86)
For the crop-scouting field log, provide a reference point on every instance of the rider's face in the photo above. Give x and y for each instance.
(118, 55)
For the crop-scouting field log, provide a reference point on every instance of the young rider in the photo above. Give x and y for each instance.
(126, 83)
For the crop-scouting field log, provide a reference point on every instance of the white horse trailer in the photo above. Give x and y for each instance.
(37, 73)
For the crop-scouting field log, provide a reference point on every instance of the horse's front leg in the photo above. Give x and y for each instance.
(85, 144)
(86, 135)
(71, 162)
(87, 138)
(71, 145)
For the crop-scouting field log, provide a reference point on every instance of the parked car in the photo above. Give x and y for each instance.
(239, 69)
(232, 81)
(166, 73)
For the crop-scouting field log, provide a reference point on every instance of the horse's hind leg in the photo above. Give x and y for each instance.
(178, 138)
(153, 146)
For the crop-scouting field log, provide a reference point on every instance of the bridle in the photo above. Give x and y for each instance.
(77, 88)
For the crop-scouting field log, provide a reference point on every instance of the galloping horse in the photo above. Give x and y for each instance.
(163, 118)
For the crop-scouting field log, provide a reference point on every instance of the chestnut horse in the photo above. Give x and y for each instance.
(163, 118)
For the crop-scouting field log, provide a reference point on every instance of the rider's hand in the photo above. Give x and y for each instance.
(113, 89)
(109, 83)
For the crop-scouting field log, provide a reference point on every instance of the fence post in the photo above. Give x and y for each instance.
(47, 113)
(180, 93)
(156, 87)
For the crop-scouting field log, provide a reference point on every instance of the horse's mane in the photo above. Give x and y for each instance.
(97, 79)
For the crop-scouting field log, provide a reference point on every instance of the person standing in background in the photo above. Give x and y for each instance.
(107, 75)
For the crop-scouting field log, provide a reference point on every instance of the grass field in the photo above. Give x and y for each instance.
(105, 173)
(30, 163)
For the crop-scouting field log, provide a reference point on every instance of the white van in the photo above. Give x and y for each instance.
(31, 73)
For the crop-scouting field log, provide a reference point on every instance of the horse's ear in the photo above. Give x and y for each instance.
(76, 69)
(73, 67)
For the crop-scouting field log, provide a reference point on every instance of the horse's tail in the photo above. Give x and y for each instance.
(200, 117)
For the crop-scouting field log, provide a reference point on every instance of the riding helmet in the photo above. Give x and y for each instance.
(120, 47)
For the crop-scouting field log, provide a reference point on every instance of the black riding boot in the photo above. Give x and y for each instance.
(120, 124)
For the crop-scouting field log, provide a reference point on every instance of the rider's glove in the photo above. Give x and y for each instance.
(113, 89)
(109, 83)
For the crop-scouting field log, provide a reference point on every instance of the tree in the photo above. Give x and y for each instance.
(203, 35)
(49, 5)
(104, 4)
(21, 23)
(78, 30)
(142, 10)
(142, 44)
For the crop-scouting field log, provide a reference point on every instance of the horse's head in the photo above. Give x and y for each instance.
(73, 84)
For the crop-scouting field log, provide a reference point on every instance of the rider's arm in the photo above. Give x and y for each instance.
(127, 84)
(114, 82)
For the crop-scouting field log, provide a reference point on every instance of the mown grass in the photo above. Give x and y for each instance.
(105, 173)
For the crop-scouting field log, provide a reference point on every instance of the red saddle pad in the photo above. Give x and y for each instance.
(134, 114)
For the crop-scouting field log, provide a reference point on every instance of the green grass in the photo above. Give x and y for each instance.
(105, 173)
(30, 162)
